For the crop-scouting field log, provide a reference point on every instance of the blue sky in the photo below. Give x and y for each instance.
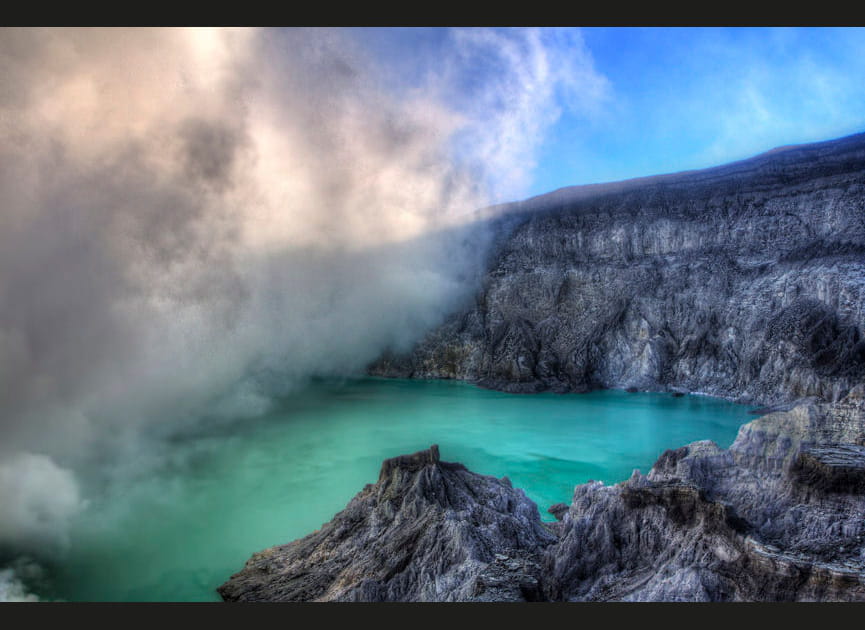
(660, 99)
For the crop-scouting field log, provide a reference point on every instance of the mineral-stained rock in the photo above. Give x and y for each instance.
(745, 281)
(776, 517)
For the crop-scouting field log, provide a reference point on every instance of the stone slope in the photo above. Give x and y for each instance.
(742, 524)
(746, 281)
(776, 517)
(426, 531)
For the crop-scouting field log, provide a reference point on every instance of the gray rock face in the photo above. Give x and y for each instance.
(743, 524)
(745, 281)
(773, 518)
(426, 531)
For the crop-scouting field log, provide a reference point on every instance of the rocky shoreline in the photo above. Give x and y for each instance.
(773, 518)
(746, 281)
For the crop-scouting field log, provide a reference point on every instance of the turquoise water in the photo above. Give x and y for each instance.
(179, 531)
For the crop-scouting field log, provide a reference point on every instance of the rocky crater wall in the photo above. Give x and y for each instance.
(746, 281)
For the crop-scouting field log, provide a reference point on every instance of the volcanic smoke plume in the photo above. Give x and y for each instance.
(193, 220)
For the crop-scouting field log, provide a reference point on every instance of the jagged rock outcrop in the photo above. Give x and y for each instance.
(776, 517)
(426, 531)
(745, 281)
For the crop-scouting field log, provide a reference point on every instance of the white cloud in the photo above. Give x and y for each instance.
(789, 86)
(518, 83)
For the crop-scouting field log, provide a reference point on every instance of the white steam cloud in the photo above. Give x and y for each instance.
(39, 500)
(17, 581)
(13, 590)
(192, 220)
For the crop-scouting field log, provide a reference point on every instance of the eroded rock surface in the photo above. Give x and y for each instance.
(744, 524)
(426, 531)
(745, 281)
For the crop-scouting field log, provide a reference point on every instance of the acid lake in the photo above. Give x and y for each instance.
(178, 530)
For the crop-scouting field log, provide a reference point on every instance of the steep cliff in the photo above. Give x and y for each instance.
(745, 281)
(776, 517)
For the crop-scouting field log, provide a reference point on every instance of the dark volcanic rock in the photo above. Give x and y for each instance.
(745, 281)
(833, 468)
(776, 517)
(426, 531)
